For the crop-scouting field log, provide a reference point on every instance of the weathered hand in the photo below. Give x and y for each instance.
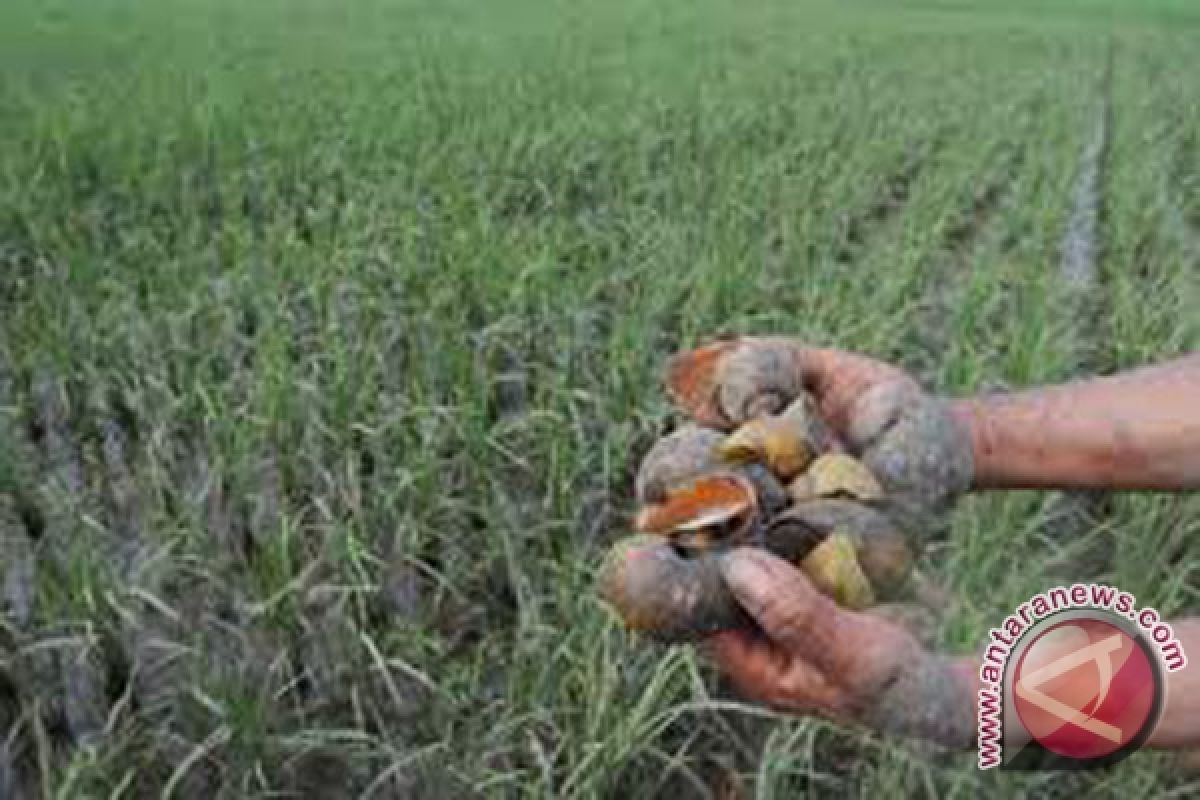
(809, 656)
(921, 453)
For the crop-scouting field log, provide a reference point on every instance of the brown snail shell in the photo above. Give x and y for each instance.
(833, 566)
(664, 595)
(786, 443)
(692, 381)
(836, 475)
(883, 552)
(770, 441)
(677, 458)
(716, 499)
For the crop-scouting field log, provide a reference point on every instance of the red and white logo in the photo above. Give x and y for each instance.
(1073, 678)
(1085, 688)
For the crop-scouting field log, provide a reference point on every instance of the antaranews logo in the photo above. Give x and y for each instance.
(1075, 678)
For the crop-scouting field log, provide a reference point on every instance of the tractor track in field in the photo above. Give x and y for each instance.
(1080, 262)
(1070, 516)
(1081, 253)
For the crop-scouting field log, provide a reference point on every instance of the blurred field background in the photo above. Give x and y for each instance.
(330, 339)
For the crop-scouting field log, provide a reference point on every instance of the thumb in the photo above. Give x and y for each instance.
(878, 411)
(784, 603)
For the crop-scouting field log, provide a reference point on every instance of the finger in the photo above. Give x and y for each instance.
(789, 609)
(750, 661)
(761, 671)
(920, 453)
(838, 378)
(740, 652)
(876, 411)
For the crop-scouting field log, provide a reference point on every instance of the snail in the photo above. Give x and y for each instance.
(703, 493)
(786, 443)
(836, 475)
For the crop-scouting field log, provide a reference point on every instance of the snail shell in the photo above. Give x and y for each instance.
(662, 594)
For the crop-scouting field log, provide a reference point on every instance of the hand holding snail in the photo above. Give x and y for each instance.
(782, 480)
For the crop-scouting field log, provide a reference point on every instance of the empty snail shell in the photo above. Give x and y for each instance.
(717, 499)
(678, 457)
(771, 441)
(786, 443)
(836, 475)
(733, 380)
(662, 594)
(692, 378)
(834, 568)
(883, 552)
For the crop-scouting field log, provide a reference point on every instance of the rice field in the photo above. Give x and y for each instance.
(331, 338)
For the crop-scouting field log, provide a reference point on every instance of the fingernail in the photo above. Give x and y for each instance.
(742, 572)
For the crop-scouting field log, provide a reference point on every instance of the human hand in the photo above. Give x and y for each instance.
(808, 656)
(919, 451)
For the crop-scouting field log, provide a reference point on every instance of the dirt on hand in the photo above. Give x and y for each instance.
(704, 492)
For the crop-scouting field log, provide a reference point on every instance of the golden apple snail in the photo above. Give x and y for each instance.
(704, 492)
(678, 457)
(836, 475)
(834, 569)
(883, 552)
(662, 593)
(785, 443)
(710, 501)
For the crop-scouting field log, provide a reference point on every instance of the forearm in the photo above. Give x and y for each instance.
(1136, 430)
(1180, 723)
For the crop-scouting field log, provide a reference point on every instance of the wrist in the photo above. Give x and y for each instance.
(971, 416)
(1036, 440)
(930, 697)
